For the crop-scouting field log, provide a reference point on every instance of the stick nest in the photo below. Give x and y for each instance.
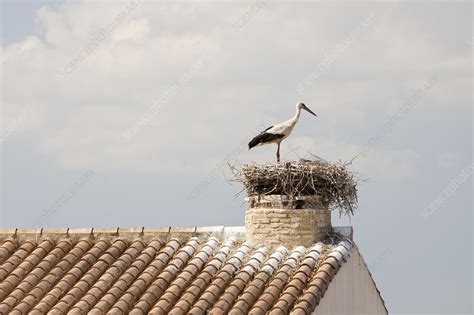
(333, 182)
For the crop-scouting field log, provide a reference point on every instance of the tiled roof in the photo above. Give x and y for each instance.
(139, 272)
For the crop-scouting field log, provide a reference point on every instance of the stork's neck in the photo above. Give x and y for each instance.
(297, 116)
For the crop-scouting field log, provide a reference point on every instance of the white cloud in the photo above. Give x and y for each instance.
(134, 30)
(250, 74)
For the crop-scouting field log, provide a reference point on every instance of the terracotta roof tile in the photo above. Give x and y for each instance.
(173, 292)
(7, 248)
(163, 280)
(322, 277)
(105, 282)
(16, 258)
(35, 276)
(222, 278)
(277, 284)
(23, 269)
(140, 285)
(69, 280)
(194, 291)
(238, 284)
(127, 278)
(194, 274)
(298, 281)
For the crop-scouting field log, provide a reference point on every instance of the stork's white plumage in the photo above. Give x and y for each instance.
(279, 132)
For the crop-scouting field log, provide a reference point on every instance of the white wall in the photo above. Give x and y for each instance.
(352, 291)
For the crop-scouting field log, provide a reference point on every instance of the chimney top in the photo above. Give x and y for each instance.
(279, 220)
(289, 202)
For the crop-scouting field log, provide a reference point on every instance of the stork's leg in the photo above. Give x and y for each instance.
(278, 153)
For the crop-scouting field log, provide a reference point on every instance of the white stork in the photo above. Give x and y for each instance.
(278, 133)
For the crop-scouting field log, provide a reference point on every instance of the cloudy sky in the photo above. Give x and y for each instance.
(125, 113)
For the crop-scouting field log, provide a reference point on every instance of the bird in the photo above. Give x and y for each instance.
(279, 132)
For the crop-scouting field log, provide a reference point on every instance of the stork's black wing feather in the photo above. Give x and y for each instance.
(264, 137)
(267, 129)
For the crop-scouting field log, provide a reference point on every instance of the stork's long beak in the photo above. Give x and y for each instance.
(309, 110)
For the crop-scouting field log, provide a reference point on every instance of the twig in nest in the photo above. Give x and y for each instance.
(333, 182)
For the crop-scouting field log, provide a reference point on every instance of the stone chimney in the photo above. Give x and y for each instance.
(278, 220)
